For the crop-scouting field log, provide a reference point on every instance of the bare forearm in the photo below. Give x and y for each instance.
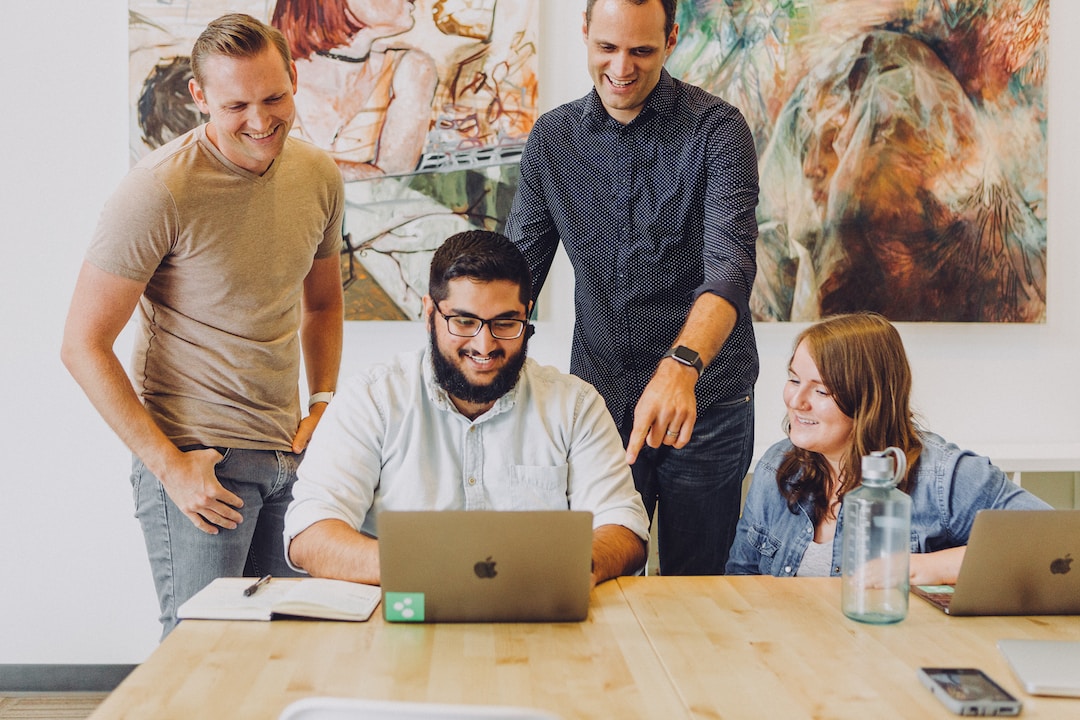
(101, 305)
(321, 324)
(321, 336)
(708, 325)
(616, 551)
(333, 549)
(667, 409)
(101, 376)
(937, 568)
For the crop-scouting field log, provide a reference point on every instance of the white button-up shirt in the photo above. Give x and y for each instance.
(392, 439)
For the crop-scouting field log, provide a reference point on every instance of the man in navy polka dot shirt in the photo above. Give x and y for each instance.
(651, 184)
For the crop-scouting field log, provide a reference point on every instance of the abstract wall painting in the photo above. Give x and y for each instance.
(425, 105)
(902, 150)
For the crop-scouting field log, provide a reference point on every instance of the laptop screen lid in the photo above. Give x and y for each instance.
(485, 565)
(1020, 562)
(1045, 667)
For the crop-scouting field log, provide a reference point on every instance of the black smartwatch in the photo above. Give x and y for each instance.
(686, 356)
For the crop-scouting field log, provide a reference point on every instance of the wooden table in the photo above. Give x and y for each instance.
(781, 648)
(601, 668)
(651, 648)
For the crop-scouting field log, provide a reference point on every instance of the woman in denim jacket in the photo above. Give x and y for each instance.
(847, 395)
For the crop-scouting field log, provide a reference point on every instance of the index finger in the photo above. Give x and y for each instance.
(637, 439)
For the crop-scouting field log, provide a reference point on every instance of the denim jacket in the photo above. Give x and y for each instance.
(951, 485)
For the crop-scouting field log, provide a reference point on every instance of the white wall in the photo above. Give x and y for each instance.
(75, 582)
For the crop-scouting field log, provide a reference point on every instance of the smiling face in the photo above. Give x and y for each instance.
(250, 104)
(816, 422)
(476, 371)
(627, 47)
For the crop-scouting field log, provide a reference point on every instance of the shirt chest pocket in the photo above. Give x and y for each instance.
(535, 487)
(766, 545)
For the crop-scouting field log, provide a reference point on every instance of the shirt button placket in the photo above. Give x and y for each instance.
(472, 466)
(624, 248)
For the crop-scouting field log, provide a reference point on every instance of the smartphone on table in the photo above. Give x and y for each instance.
(969, 691)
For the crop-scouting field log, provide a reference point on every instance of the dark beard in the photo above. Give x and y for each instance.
(454, 381)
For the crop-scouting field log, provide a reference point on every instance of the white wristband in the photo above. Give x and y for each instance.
(319, 397)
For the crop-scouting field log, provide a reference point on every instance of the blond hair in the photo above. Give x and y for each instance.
(238, 36)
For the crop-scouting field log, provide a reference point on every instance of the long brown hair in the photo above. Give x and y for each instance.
(862, 362)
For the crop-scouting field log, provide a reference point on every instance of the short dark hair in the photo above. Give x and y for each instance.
(478, 255)
(237, 35)
(669, 12)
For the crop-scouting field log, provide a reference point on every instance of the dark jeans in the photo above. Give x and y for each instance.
(699, 488)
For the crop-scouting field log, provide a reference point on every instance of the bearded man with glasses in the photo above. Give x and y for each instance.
(468, 423)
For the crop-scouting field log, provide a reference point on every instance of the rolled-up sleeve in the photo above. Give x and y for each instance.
(731, 197)
(340, 470)
(599, 478)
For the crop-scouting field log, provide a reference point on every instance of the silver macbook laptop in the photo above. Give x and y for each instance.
(1045, 667)
(1018, 562)
(485, 566)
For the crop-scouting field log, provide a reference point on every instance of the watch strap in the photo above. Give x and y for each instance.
(324, 397)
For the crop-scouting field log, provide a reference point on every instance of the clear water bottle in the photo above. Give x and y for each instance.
(877, 542)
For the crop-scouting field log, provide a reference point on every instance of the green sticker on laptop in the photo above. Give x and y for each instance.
(944, 589)
(403, 607)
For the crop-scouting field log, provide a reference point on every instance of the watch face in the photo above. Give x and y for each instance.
(684, 354)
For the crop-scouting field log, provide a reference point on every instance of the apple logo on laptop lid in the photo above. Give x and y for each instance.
(485, 569)
(1061, 565)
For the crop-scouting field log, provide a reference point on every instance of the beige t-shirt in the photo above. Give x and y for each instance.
(224, 253)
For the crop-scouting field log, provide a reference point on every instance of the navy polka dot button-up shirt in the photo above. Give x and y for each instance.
(652, 214)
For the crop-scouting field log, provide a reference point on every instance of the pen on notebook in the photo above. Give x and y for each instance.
(250, 589)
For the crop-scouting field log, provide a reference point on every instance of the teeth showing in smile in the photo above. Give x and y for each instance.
(805, 421)
(481, 359)
(262, 136)
(620, 83)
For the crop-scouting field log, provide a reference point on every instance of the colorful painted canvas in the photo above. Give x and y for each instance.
(425, 105)
(902, 150)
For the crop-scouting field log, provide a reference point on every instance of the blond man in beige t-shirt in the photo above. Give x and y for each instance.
(226, 240)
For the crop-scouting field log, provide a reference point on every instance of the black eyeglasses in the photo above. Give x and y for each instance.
(467, 326)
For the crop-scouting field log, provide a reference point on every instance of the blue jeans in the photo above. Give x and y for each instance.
(184, 559)
(699, 488)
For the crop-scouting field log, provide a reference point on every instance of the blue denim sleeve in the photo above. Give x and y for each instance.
(977, 484)
(744, 558)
